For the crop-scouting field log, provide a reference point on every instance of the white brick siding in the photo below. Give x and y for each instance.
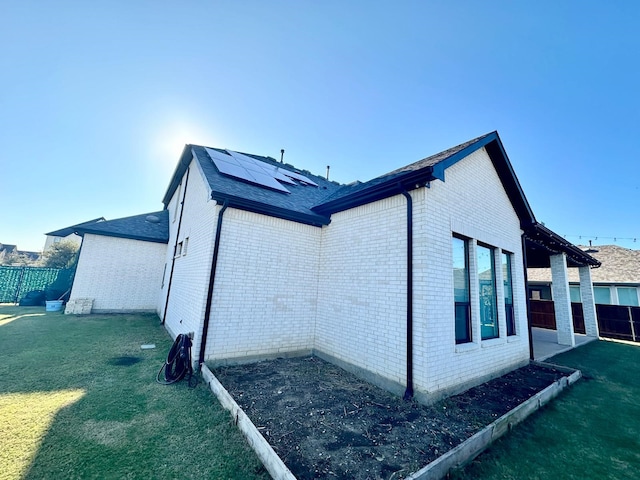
(119, 274)
(190, 280)
(286, 287)
(265, 290)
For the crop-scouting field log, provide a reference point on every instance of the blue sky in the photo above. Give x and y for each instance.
(97, 99)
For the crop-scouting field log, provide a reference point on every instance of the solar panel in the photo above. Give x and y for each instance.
(245, 168)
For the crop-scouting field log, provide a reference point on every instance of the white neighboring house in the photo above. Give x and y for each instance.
(414, 280)
(67, 234)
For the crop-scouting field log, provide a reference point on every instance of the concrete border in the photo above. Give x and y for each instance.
(455, 458)
(462, 454)
(271, 461)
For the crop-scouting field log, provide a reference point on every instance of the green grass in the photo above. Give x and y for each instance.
(591, 431)
(67, 411)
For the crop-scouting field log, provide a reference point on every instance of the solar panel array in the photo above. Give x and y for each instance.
(255, 171)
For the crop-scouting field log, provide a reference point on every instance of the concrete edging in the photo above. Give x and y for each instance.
(476, 444)
(271, 461)
(457, 457)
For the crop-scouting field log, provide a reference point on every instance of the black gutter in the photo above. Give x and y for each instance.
(526, 288)
(175, 246)
(408, 394)
(377, 192)
(212, 277)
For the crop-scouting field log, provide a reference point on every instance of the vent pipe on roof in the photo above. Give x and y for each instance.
(282, 155)
(328, 167)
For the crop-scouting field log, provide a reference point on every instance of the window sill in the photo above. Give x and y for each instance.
(513, 338)
(492, 342)
(466, 347)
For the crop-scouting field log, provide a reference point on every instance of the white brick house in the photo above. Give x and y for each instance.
(414, 280)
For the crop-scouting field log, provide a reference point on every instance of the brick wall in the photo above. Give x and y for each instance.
(185, 311)
(119, 274)
(265, 291)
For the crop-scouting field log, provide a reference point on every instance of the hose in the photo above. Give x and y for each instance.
(178, 363)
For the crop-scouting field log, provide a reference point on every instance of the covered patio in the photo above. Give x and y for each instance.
(546, 249)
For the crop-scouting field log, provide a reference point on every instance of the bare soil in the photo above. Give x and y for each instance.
(324, 422)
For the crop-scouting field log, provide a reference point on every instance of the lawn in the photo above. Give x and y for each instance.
(591, 431)
(69, 408)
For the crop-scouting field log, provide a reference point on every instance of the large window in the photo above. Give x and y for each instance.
(508, 293)
(574, 292)
(602, 295)
(627, 296)
(461, 289)
(487, 292)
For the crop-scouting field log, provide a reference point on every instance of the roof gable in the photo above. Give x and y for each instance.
(432, 168)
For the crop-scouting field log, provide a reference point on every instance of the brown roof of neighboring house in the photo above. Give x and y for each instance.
(619, 265)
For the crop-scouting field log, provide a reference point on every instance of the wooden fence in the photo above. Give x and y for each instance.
(614, 321)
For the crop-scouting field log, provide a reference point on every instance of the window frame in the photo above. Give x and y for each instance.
(507, 281)
(466, 336)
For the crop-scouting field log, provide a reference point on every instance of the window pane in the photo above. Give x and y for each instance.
(461, 290)
(487, 293)
(627, 296)
(602, 295)
(575, 294)
(508, 293)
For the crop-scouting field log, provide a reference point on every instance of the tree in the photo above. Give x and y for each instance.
(60, 255)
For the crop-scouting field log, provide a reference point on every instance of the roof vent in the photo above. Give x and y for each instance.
(152, 219)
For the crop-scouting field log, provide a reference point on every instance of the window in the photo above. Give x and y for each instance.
(178, 250)
(487, 292)
(627, 296)
(184, 247)
(574, 293)
(508, 293)
(602, 295)
(461, 293)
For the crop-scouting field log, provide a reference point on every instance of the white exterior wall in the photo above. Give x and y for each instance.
(265, 291)
(473, 203)
(362, 288)
(51, 240)
(119, 274)
(362, 285)
(185, 312)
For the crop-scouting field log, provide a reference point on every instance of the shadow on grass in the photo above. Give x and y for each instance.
(70, 409)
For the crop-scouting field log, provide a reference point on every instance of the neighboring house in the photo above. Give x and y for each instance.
(616, 282)
(67, 234)
(414, 280)
(10, 253)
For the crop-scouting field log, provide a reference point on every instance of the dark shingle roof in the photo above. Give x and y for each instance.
(63, 232)
(295, 205)
(148, 227)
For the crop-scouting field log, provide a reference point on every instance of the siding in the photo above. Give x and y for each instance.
(119, 274)
(265, 291)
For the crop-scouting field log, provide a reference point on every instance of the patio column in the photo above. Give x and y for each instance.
(588, 303)
(562, 299)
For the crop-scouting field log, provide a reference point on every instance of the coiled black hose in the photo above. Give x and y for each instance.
(178, 363)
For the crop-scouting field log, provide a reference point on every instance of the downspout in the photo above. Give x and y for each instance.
(212, 277)
(526, 290)
(408, 394)
(175, 245)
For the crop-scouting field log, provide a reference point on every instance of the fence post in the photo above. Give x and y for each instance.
(633, 330)
(17, 294)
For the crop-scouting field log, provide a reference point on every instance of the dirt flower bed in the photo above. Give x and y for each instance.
(324, 422)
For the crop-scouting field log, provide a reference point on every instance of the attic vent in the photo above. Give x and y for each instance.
(152, 219)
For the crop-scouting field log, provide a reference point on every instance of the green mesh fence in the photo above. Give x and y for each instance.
(15, 282)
